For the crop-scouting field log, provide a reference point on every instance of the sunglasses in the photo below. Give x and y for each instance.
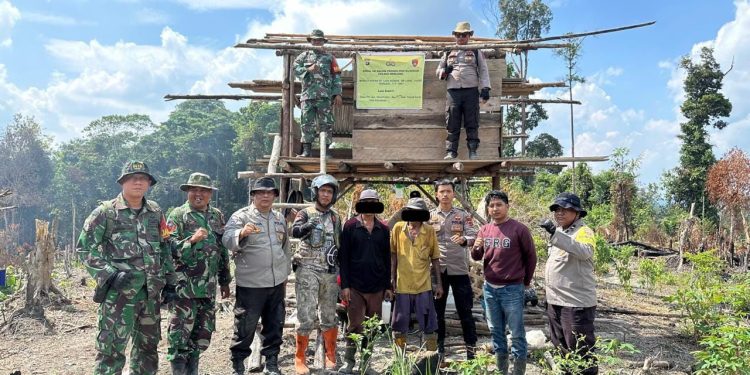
(462, 35)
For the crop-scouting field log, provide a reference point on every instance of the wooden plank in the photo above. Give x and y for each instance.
(414, 120)
(434, 106)
(417, 144)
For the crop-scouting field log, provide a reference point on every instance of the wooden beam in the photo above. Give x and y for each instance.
(355, 48)
(171, 97)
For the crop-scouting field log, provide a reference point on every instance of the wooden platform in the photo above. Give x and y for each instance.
(410, 169)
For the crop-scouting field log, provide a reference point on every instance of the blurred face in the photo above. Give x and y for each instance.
(199, 197)
(135, 186)
(368, 216)
(445, 194)
(325, 195)
(462, 38)
(263, 199)
(565, 216)
(498, 210)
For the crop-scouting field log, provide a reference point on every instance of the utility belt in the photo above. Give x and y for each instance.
(317, 268)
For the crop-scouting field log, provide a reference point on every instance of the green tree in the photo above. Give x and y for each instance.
(623, 192)
(585, 179)
(704, 106)
(26, 169)
(514, 124)
(571, 54)
(521, 20)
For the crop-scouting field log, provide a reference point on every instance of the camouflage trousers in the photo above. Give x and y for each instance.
(119, 319)
(192, 322)
(317, 116)
(317, 294)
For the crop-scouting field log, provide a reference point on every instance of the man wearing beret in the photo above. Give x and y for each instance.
(258, 239)
(570, 282)
(124, 246)
(321, 86)
(201, 260)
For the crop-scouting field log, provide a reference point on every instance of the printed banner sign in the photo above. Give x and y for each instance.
(389, 81)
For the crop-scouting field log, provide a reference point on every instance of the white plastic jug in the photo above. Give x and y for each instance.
(386, 309)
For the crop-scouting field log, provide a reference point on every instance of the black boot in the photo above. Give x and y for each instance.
(349, 359)
(272, 365)
(519, 367)
(238, 366)
(306, 150)
(473, 146)
(502, 363)
(471, 351)
(451, 150)
(192, 365)
(179, 366)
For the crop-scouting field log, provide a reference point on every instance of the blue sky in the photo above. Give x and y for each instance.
(69, 62)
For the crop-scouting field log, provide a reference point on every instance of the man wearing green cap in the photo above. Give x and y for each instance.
(321, 83)
(200, 261)
(124, 246)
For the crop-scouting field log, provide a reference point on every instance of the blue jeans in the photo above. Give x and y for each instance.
(505, 307)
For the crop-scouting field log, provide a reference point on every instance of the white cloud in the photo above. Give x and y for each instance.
(9, 15)
(152, 16)
(52, 19)
(227, 4)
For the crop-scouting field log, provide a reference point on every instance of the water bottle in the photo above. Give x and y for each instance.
(386, 309)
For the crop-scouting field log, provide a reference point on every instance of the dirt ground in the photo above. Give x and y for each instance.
(68, 346)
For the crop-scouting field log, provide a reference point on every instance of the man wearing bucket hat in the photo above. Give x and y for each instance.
(319, 228)
(124, 245)
(257, 237)
(321, 85)
(201, 260)
(465, 71)
(414, 252)
(570, 282)
(365, 260)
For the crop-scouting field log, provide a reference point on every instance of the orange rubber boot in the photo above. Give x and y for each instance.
(300, 366)
(329, 338)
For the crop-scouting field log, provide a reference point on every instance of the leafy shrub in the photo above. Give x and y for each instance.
(726, 350)
(606, 351)
(622, 256)
(603, 256)
(12, 283)
(650, 273)
(477, 366)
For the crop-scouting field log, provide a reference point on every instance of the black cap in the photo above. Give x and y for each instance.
(568, 200)
(264, 183)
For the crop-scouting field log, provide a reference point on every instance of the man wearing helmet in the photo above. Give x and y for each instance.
(319, 228)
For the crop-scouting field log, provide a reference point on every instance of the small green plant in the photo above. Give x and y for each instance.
(726, 350)
(372, 330)
(603, 256)
(12, 283)
(540, 244)
(650, 273)
(477, 366)
(606, 351)
(622, 256)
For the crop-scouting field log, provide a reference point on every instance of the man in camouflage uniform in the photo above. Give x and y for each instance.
(455, 234)
(200, 261)
(321, 83)
(124, 247)
(257, 237)
(319, 228)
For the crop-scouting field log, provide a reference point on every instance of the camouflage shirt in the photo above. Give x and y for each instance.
(118, 238)
(323, 84)
(319, 248)
(197, 266)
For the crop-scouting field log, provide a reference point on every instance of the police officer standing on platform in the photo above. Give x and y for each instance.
(466, 72)
(257, 238)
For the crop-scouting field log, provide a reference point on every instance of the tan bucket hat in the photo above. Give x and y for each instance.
(463, 27)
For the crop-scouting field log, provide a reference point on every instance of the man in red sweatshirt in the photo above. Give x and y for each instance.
(507, 250)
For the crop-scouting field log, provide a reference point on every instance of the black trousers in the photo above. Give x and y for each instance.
(252, 305)
(572, 329)
(462, 104)
(463, 296)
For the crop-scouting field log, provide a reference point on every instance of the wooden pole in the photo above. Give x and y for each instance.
(323, 149)
(275, 151)
(285, 108)
(353, 48)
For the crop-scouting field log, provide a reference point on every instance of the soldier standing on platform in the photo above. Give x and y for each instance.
(321, 84)
(257, 237)
(466, 72)
(124, 247)
(200, 261)
(319, 228)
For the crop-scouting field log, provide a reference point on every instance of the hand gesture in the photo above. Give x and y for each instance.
(314, 68)
(345, 294)
(248, 229)
(439, 292)
(458, 239)
(199, 235)
(338, 101)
